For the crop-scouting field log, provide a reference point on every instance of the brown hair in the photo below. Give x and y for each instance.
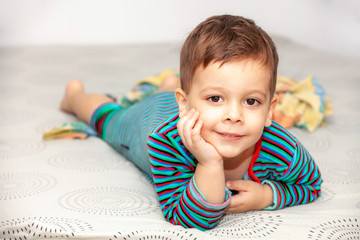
(226, 38)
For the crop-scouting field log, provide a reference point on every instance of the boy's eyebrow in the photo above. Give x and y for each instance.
(211, 88)
(263, 94)
(219, 88)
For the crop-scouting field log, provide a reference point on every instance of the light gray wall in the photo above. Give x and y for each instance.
(330, 25)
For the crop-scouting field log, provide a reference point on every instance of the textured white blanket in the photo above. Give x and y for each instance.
(84, 190)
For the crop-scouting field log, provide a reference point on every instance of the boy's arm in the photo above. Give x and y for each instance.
(181, 200)
(293, 184)
(300, 184)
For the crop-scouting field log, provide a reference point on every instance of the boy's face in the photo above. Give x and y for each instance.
(234, 103)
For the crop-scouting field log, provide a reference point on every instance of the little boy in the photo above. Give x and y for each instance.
(211, 147)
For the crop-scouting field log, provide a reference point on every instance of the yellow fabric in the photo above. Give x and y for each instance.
(146, 87)
(73, 130)
(303, 104)
(157, 79)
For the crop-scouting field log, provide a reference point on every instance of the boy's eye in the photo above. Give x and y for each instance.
(251, 101)
(215, 99)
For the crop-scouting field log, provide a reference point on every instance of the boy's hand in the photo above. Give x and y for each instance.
(189, 127)
(251, 196)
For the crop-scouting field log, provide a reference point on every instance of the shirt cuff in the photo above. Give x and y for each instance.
(275, 195)
(201, 199)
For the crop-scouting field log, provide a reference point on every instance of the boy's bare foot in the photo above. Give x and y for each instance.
(169, 84)
(73, 87)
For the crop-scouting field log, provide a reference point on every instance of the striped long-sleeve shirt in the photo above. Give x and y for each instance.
(280, 161)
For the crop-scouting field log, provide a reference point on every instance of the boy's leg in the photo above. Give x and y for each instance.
(76, 101)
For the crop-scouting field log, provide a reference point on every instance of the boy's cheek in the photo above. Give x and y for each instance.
(203, 117)
(206, 119)
(258, 118)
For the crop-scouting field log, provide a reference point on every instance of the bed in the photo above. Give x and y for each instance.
(83, 189)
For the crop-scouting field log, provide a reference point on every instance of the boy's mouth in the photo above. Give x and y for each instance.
(230, 136)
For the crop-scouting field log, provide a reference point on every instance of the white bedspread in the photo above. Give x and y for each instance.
(84, 190)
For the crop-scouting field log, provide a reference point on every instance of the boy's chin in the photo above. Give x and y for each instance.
(233, 152)
(228, 153)
(230, 156)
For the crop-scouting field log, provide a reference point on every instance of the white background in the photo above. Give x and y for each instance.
(330, 25)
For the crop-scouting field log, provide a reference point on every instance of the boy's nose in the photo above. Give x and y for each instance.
(234, 113)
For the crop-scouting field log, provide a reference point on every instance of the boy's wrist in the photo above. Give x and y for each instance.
(210, 179)
(212, 163)
(268, 196)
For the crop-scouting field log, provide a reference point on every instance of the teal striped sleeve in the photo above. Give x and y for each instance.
(299, 184)
(173, 170)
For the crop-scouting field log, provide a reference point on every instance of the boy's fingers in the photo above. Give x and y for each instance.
(180, 127)
(197, 127)
(190, 120)
(236, 205)
(186, 125)
(239, 185)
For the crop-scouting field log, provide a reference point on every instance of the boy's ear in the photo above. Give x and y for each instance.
(180, 96)
(272, 106)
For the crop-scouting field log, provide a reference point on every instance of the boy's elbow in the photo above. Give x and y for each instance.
(203, 226)
(187, 221)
